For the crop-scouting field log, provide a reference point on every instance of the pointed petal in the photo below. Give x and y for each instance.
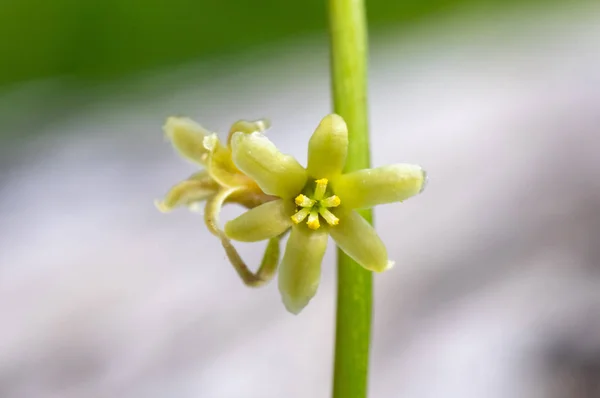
(195, 189)
(358, 239)
(263, 222)
(300, 269)
(275, 173)
(220, 165)
(328, 147)
(367, 188)
(248, 127)
(187, 138)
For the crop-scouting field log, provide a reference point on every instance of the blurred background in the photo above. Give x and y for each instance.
(495, 292)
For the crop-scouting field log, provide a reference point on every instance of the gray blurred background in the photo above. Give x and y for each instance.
(495, 292)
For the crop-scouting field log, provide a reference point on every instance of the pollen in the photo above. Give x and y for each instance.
(313, 220)
(329, 217)
(304, 201)
(300, 215)
(320, 188)
(332, 201)
(315, 206)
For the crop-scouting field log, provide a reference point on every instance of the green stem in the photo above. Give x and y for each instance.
(348, 32)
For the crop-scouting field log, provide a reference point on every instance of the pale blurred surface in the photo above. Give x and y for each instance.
(495, 290)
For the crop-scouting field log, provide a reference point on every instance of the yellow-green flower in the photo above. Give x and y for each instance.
(315, 202)
(220, 182)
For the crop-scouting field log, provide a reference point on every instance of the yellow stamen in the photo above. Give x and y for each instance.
(329, 217)
(301, 215)
(315, 207)
(304, 201)
(320, 188)
(313, 220)
(332, 201)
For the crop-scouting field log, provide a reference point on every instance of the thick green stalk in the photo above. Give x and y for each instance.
(348, 33)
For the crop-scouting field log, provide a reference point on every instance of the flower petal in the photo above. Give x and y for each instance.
(220, 165)
(187, 138)
(328, 147)
(263, 222)
(250, 197)
(197, 188)
(300, 269)
(248, 127)
(366, 188)
(358, 239)
(275, 173)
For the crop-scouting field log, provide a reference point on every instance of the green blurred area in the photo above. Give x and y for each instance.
(102, 39)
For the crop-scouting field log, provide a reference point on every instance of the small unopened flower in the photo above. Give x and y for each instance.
(315, 202)
(218, 183)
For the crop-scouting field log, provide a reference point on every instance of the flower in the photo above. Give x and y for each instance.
(219, 183)
(315, 202)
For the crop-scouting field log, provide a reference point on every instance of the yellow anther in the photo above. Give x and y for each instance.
(313, 220)
(329, 217)
(304, 201)
(315, 207)
(320, 188)
(332, 201)
(301, 215)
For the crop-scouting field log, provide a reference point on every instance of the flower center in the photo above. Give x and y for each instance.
(316, 205)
